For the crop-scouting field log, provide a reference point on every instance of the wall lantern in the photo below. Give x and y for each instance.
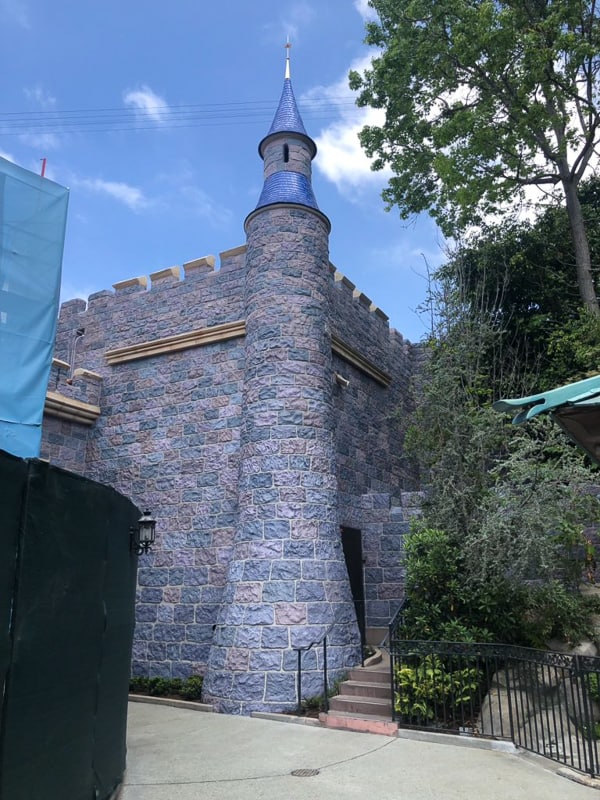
(144, 534)
(575, 407)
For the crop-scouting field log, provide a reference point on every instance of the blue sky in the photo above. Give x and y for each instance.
(152, 112)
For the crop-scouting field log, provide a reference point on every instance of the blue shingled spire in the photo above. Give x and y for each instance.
(287, 187)
(290, 181)
(287, 117)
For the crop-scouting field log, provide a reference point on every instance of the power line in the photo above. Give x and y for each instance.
(103, 120)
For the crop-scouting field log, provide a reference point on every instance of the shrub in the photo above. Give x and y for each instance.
(191, 688)
(188, 689)
(429, 689)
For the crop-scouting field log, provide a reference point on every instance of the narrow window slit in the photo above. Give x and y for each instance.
(286, 153)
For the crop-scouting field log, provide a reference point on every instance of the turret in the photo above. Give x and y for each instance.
(287, 581)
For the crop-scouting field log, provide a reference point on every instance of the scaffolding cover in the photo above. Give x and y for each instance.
(33, 216)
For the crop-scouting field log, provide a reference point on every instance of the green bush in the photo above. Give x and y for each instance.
(192, 688)
(429, 688)
(447, 603)
(159, 687)
(188, 689)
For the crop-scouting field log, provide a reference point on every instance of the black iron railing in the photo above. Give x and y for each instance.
(300, 651)
(545, 702)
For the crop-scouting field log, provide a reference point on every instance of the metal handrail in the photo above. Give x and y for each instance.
(306, 648)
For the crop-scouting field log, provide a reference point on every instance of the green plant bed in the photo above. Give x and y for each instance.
(428, 690)
(188, 689)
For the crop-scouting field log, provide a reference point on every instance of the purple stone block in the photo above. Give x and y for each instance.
(275, 638)
(251, 685)
(280, 686)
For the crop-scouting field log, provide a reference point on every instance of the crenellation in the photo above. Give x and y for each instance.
(233, 259)
(71, 308)
(199, 266)
(131, 284)
(165, 276)
(379, 313)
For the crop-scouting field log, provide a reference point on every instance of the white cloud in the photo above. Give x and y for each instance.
(147, 104)
(17, 11)
(42, 141)
(39, 97)
(7, 156)
(200, 204)
(341, 158)
(298, 16)
(69, 291)
(181, 191)
(365, 10)
(130, 196)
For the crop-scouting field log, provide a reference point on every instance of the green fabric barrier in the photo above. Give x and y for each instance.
(65, 707)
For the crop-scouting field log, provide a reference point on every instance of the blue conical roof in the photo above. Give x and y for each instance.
(287, 186)
(287, 118)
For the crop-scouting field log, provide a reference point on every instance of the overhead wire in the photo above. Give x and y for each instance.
(106, 120)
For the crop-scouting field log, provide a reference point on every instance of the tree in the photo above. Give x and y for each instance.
(482, 99)
(523, 274)
(501, 544)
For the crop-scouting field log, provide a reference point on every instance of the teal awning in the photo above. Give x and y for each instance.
(575, 407)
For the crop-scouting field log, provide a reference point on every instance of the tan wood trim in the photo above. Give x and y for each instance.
(181, 341)
(353, 357)
(59, 405)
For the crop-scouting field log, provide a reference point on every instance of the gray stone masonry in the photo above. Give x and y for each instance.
(287, 580)
(255, 409)
(171, 435)
(215, 444)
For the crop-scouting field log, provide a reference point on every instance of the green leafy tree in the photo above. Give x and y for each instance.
(501, 546)
(523, 274)
(482, 99)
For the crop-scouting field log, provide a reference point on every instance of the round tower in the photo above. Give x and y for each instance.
(287, 583)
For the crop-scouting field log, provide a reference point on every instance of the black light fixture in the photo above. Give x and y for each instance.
(144, 534)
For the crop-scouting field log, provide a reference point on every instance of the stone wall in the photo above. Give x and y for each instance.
(168, 435)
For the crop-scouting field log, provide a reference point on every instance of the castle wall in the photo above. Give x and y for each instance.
(168, 437)
(376, 481)
(168, 434)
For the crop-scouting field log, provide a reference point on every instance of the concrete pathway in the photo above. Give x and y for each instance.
(180, 754)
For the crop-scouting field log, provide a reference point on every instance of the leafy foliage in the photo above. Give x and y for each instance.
(501, 545)
(483, 99)
(428, 688)
(188, 689)
(523, 275)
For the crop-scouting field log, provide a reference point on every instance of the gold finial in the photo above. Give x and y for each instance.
(287, 58)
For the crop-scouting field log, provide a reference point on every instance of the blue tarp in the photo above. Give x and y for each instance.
(33, 216)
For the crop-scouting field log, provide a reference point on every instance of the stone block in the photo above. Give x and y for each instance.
(248, 686)
(259, 615)
(165, 632)
(265, 660)
(280, 686)
(290, 614)
(275, 638)
(310, 591)
(278, 591)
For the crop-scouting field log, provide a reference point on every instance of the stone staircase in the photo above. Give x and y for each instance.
(364, 703)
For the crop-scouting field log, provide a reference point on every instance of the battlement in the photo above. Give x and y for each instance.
(343, 283)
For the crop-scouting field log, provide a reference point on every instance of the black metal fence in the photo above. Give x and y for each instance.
(545, 702)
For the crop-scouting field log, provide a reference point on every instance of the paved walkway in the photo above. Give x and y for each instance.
(179, 754)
